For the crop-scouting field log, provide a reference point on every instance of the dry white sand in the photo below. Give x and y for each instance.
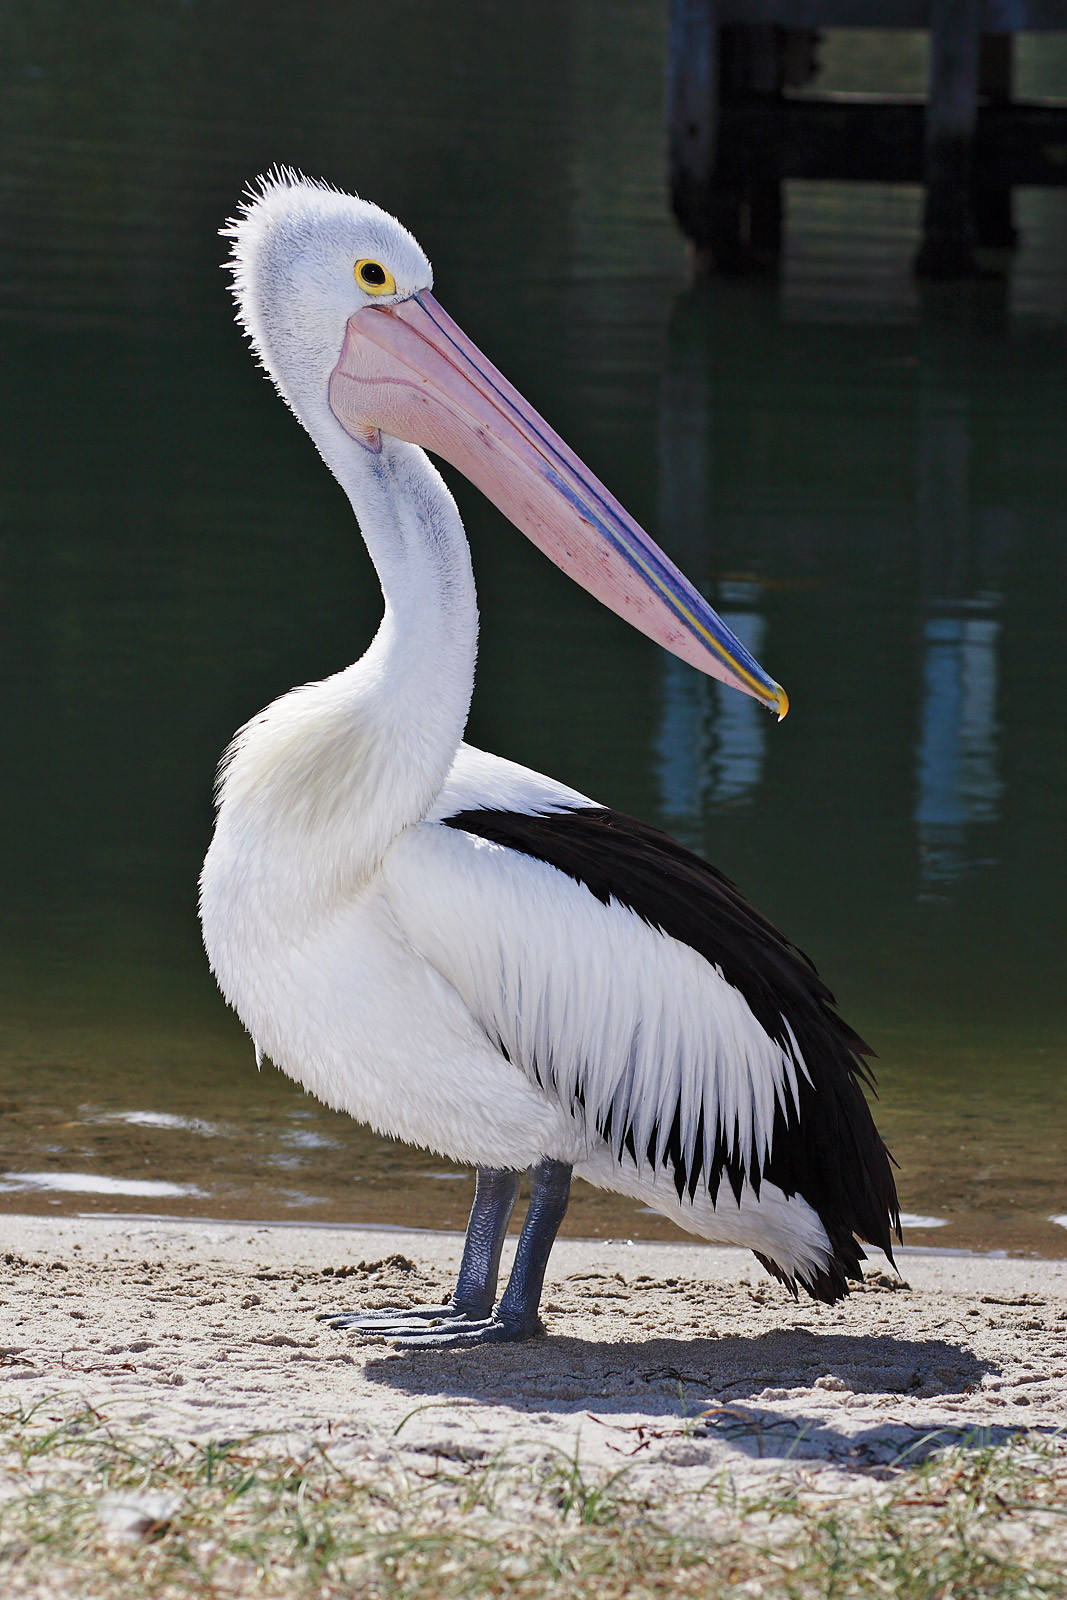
(198, 1329)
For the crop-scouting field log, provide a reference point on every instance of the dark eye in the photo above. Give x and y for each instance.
(371, 275)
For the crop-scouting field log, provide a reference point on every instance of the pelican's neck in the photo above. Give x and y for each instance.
(321, 782)
(419, 669)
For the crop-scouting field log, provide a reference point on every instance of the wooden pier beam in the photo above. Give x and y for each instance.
(947, 250)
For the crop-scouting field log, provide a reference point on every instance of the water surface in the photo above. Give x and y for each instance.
(868, 481)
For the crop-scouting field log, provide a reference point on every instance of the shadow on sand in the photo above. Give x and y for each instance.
(816, 1395)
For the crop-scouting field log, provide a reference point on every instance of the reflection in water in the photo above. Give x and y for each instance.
(711, 743)
(95, 1183)
(960, 559)
(956, 759)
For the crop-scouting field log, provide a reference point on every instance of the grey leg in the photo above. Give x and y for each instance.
(515, 1318)
(494, 1200)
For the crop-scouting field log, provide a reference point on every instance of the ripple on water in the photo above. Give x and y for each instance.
(158, 1119)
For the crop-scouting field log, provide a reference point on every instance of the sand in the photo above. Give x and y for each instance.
(202, 1329)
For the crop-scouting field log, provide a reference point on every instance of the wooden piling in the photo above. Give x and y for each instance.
(947, 249)
(747, 203)
(994, 222)
(693, 116)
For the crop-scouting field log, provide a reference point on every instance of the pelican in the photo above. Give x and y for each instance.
(463, 953)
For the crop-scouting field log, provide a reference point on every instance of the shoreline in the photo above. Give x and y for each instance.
(153, 1218)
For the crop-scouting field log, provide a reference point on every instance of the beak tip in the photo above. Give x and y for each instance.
(781, 702)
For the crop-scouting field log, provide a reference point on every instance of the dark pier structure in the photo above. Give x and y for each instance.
(739, 127)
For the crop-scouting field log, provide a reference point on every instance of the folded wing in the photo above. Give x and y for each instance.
(636, 985)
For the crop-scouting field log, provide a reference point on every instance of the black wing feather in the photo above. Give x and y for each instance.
(827, 1148)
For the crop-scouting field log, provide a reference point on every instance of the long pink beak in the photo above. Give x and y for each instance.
(407, 370)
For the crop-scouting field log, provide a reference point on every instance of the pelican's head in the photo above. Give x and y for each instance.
(305, 259)
(335, 296)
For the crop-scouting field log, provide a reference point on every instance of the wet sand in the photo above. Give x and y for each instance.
(174, 1119)
(670, 1357)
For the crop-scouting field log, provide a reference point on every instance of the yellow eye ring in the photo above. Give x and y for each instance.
(373, 277)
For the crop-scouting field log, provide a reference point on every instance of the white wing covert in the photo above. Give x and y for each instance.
(639, 1037)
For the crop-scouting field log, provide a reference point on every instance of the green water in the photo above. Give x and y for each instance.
(870, 483)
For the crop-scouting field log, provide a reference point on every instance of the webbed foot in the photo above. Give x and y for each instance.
(392, 1320)
(494, 1329)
